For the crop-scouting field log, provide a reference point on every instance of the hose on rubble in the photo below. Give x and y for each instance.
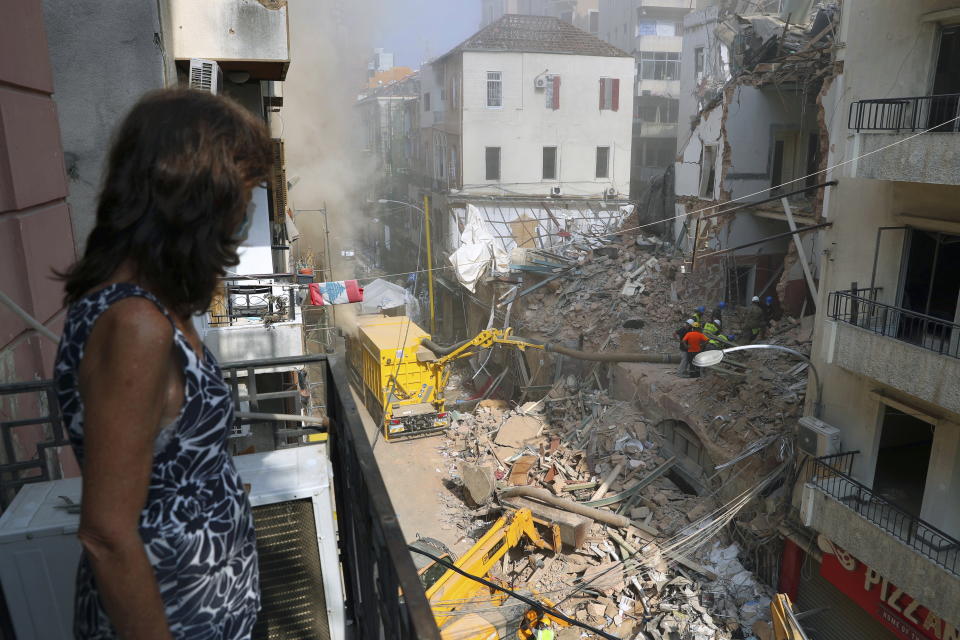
(601, 356)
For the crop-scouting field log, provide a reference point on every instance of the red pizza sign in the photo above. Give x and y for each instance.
(898, 611)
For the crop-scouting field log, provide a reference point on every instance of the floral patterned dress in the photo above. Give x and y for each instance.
(197, 526)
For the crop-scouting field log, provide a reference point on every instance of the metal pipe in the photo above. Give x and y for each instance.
(32, 322)
(779, 236)
(283, 417)
(615, 356)
(543, 495)
(747, 205)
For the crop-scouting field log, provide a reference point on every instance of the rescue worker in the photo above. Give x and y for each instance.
(756, 320)
(692, 343)
(718, 310)
(685, 328)
(698, 314)
(712, 330)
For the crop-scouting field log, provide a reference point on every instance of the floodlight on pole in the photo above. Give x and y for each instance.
(716, 356)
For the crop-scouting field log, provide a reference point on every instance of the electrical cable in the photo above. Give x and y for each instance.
(722, 207)
(537, 606)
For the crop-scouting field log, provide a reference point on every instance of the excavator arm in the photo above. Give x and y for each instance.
(483, 340)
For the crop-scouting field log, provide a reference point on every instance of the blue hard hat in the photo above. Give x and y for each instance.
(721, 305)
(701, 308)
(732, 337)
(769, 299)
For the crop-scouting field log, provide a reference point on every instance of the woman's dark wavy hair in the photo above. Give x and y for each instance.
(175, 192)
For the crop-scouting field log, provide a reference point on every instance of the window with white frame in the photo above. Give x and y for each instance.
(659, 65)
(549, 163)
(494, 89)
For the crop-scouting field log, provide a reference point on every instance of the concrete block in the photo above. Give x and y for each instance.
(573, 528)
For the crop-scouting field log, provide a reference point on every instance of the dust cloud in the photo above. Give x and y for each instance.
(330, 42)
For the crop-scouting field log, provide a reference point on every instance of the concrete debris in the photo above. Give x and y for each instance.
(618, 579)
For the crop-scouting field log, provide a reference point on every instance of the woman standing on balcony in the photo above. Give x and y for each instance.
(166, 526)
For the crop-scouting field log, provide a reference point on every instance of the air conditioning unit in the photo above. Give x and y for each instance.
(816, 438)
(205, 75)
(540, 82)
(611, 192)
(293, 510)
(556, 192)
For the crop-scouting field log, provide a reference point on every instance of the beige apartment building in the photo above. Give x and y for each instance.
(886, 505)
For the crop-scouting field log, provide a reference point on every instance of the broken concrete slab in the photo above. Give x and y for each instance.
(520, 472)
(519, 431)
(478, 482)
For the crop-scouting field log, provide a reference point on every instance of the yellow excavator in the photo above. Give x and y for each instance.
(401, 374)
(466, 608)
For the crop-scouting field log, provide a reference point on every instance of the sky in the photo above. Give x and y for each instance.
(416, 30)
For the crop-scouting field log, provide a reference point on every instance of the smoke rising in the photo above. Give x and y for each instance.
(330, 41)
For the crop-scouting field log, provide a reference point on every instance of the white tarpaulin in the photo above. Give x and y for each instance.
(477, 246)
(380, 295)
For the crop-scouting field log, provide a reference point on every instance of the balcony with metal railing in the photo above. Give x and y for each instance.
(898, 347)
(382, 596)
(915, 555)
(255, 317)
(880, 123)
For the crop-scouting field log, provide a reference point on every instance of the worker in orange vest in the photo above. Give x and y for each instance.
(692, 343)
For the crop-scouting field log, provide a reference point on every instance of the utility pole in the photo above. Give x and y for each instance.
(426, 220)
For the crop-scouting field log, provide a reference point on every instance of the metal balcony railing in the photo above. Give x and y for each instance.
(940, 113)
(385, 599)
(831, 475)
(927, 332)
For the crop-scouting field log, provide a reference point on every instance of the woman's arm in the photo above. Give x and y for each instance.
(124, 379)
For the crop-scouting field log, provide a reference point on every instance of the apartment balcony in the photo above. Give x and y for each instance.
(255, 318)
(913, 554)
(930, 158)
(657, 129)
(910, 351)
(242, 35)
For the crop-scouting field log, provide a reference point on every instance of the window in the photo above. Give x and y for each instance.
(609, 94)
(662, 28)
(549, 163)
(708, 171)
(594, 22)
(657, 152)
(659, 65)
(552, 93)
(698, 63)
(426, 101)
(603, 162)
(494, 90)
(658, 109)
(493, 163)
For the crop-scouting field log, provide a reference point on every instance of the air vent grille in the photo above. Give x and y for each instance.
(291, 580)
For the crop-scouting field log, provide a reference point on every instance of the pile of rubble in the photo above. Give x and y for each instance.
(627, 569)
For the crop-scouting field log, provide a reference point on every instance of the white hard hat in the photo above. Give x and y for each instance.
(755, 299)
(690, 321)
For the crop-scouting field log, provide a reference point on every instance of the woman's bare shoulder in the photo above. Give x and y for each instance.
(131, 327)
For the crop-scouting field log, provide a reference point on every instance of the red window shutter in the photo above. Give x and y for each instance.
(556, 92)
(616, 94)
(603, 85)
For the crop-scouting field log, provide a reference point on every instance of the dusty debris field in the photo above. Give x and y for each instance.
(656, 558)
(670, 572)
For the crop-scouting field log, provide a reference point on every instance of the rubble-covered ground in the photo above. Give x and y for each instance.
(676, 572)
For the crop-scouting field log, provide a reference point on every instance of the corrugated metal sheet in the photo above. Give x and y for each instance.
(844, 619)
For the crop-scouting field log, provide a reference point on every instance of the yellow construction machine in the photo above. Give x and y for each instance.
(401, 374)
(400, 380)
(465, 608)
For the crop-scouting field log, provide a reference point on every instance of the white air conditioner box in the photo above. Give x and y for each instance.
(816, 438)
(39, 552)
(293, 510)
(556, 192)
(205, 75)
(540, 82)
